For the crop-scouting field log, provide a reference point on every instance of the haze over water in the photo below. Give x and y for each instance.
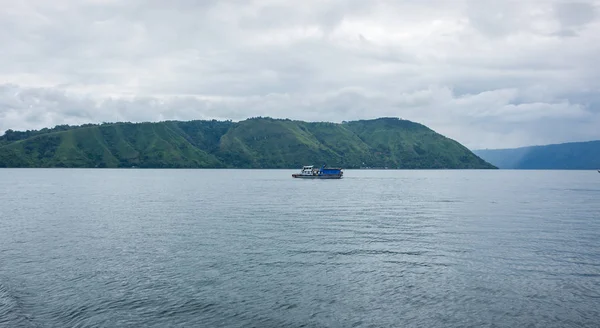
(256, 248)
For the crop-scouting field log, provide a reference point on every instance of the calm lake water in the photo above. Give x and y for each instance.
(256, 248)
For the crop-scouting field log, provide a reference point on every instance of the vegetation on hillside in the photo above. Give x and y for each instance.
(253, 143)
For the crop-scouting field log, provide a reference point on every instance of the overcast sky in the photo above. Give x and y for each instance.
(488, 74)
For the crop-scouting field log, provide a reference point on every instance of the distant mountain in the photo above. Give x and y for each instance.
(252, 143)
(566, 156)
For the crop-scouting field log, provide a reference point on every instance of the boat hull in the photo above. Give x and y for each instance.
(301, 176)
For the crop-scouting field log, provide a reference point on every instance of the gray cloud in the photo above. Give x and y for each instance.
(573, 16)
(487, 73)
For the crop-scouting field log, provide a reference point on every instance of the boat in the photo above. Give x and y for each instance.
(310, 172)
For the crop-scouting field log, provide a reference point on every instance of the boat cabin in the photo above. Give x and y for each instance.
(308, 170)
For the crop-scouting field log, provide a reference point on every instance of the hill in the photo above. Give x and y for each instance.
(252, 143)
(566, 156)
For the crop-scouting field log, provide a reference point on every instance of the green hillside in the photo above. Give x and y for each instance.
(566, 156)
(253, 143)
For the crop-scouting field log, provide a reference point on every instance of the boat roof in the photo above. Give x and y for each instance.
(326, 168)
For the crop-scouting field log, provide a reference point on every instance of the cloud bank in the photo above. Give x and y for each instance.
(486, 73)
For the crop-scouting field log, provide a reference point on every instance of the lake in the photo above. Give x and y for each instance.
(257, 248)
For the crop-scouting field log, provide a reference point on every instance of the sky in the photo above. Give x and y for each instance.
(489, 74)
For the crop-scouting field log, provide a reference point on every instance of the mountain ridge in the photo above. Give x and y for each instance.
(258, 142)
(577, 155)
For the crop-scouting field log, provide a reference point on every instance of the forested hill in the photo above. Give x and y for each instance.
(252, 143)
(565, 156)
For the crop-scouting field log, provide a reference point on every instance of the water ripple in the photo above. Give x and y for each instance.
(250, 248)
